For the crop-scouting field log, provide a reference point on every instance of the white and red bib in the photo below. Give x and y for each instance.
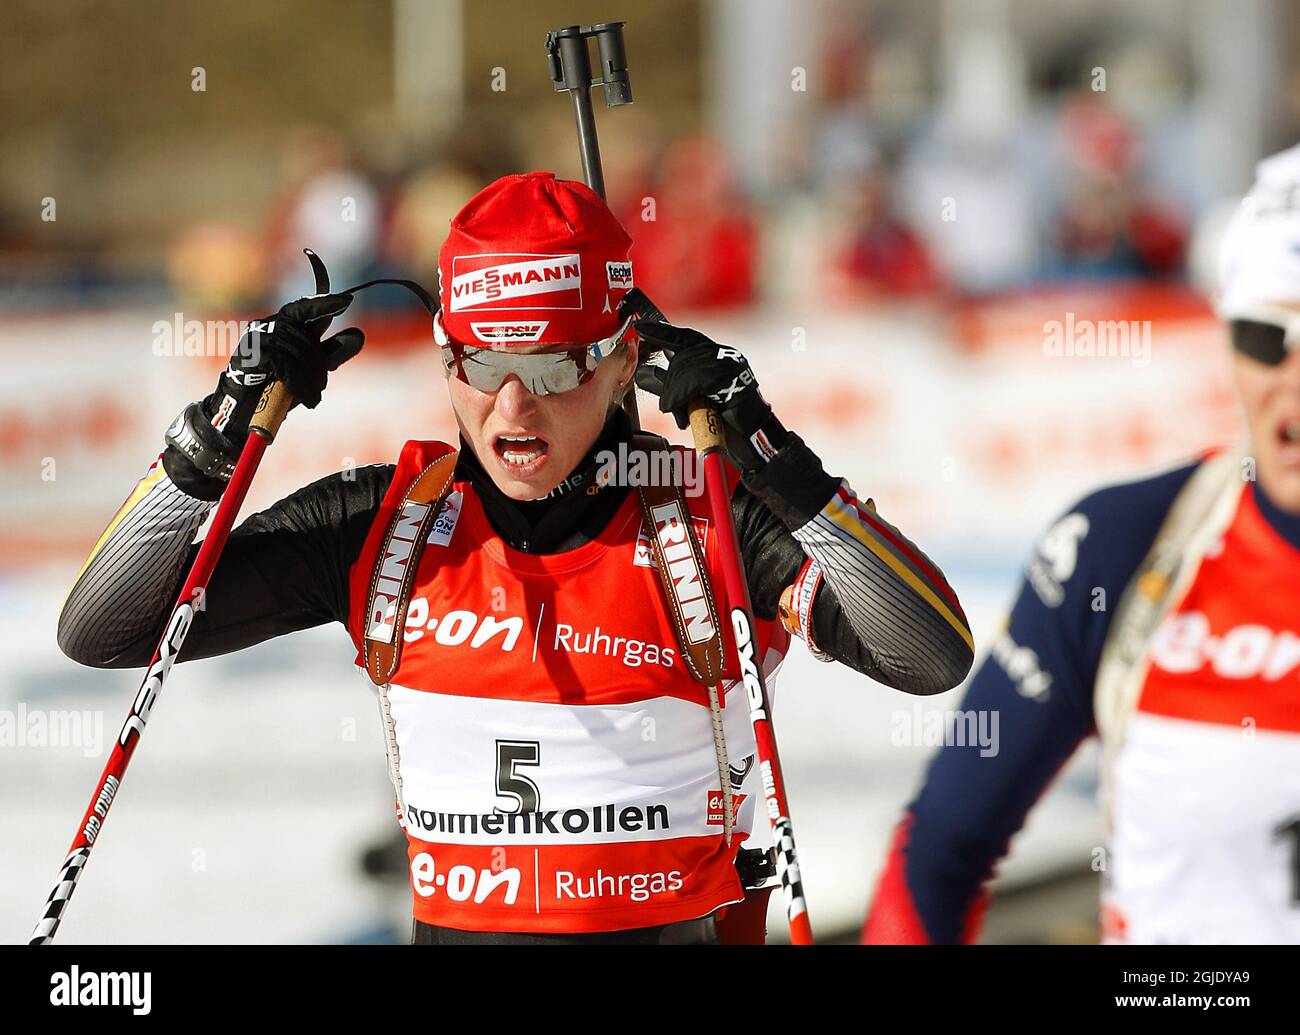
(1206, 784)
(554, 760)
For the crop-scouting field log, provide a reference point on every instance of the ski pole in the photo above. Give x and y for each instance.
(270, 413)
(706, 430)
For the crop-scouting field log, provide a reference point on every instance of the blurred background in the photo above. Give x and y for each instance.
(886, 205)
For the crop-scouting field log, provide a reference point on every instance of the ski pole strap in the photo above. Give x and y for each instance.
(679, 559)
(396, 564)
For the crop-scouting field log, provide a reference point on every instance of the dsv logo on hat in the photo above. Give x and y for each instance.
(516, 281)
(509, 330)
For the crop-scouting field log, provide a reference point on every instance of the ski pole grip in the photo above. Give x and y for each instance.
(706, 427)
(271, 410)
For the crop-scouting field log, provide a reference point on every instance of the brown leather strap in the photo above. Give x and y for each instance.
(682, 572)
(396, 564)
(679, 559)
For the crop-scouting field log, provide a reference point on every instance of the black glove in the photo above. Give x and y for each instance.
(682, 366)
(205, 440)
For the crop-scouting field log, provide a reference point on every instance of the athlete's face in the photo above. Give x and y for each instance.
(558, 428)
(1270, 396)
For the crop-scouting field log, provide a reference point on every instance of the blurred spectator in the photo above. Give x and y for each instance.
(967, 183)
(440, 177)
(327, 204)
(216, 265)
(422, 208)
(880, 255)
(1108, 226)
(630, 148)
(696, 241)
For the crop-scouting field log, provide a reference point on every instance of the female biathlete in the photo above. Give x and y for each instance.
(558, 770)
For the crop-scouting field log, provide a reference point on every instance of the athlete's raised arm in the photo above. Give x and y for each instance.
(275, 572)
(851, 584)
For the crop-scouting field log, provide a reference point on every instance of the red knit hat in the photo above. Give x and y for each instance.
(533, 259)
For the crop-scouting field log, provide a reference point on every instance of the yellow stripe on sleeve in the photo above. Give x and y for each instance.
(848, 521)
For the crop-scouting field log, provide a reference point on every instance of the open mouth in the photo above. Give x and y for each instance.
(1288, 441)
(520, 451)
